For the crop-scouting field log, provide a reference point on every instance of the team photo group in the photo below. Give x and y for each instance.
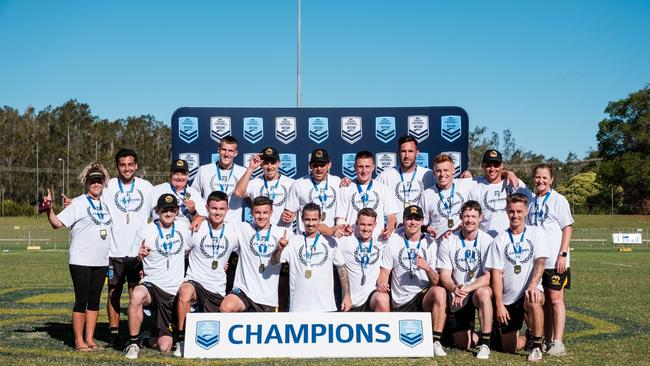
(411, 239)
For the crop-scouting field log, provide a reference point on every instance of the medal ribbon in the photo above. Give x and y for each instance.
(321, 197)
(365, 256)
(171, 241)
(262, 248)
(126, 199)
(539, 214)
(221, 185)
(214, 252)
(309, 251)
(470, 255)
(412, 255)
(517, 248)
(271, 195)
(451, 200)
(364, 195)
(407, 194)
(98, 210)
(181, 198)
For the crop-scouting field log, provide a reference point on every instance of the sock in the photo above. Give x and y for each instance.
(484, 338)
(437, 336)
(114, 330)
(133, 339)
(537, 342)
(181, 335)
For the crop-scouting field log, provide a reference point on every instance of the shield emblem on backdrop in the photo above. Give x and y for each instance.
(385, 160)
(351, 129)
(288, 165)
(193, 162)
(188, 129)
(219, 128)
(215, 157)
(422, 160)
(318, 129)
(285, 129)
(418, 127)
(253, 129)
(246, 157)
(450, 128)
(347, 166)
(385, 128)
(456, 157)
(410, 332)
(207, 333)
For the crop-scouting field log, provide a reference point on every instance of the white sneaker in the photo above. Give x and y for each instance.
(547, 345)
(131, 351)
(557, 349)
(483, 352)
(438, 350)
(178, 350)
(535, 355)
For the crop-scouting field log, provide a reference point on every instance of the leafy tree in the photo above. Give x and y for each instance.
(579, 189)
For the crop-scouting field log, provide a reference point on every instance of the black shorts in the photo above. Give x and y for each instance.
(209, 301)
(413, 305)
(516, 312)
(555, 281)
(250, 305)
(163, 303)
(365, 307)
(121, 269)
(463, 318)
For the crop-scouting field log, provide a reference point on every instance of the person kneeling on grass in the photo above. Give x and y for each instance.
(163, 245)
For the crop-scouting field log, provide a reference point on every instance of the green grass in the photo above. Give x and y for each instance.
(612, 221)
(607, 324)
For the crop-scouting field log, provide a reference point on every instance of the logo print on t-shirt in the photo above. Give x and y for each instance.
(259, 249)
(404, 259)
(495, 204)
(527, 252)
(374, 255)
(128, 202)
(413, 193)
(463, 265)
(177, 244)
(99, 218)
(208, 246)
(373, 201)
(228, 184)
(318, 258)
(280, 194)
(458, 202)
(331, 197)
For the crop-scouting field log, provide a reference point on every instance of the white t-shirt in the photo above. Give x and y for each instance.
(437, 212)
(207, 249)
(302, 192)
(261, 288)
(87, 224)
(314, 294)
(353, 254)
(278, 191)
(131, 208)
(183, 213)
(492, 198)
(553, 216)
(407, 188)
(407, 279)
(164, 266)
(380, 199)
(211, 178)
(501, 255)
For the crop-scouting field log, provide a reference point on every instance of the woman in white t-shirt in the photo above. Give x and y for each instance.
(89, 221)
(550, 211)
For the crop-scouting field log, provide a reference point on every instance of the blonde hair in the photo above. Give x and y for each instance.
(93, 168)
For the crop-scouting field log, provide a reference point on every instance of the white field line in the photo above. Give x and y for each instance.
(616, 264)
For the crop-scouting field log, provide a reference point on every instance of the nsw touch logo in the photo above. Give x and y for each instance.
(351, 129)
(188, 129)
(450, 128)
(285, 129)
(247, 157)
(418, 127)
(253, 129)
(410, 332)
(318, 129)
(385, 128)
(193, 162)
(347, 165)
(288, 165)
(219, 128)
(207, 333)
(385, 160)
(456, 157)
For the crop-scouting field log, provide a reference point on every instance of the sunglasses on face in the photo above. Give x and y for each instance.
(167, 209)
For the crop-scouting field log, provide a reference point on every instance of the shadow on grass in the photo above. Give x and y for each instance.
(63, 332)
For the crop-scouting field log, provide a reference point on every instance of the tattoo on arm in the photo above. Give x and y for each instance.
(275, 258)
(345, 280)
(538, 269)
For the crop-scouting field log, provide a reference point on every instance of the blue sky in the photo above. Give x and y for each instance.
(545, 70)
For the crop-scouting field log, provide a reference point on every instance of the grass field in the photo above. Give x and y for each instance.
(608, 320)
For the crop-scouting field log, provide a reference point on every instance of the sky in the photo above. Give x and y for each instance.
(543, 69)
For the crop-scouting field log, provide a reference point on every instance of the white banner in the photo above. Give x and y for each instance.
(308, 335)
(630, 238)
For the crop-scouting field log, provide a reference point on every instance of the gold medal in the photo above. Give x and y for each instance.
(187, 196)
(215, 264)
(450, 223)
(517, 269)
(308, 273)
(103, 233)
(127, 218)
(261, 268)
(471, 274)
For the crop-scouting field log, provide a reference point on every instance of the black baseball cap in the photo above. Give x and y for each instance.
(167, 200)
(94, 176)
(492, 156)
(180, 165)
(270, 154)
(413, 211)
(319, 156)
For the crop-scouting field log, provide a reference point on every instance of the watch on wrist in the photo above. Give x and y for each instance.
(563, 254)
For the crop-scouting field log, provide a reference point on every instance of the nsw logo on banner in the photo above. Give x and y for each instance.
(418, 127)
(253, 129)
(285, 129)
(247, 157)
(450, 128)
(188, 129)
(385, 128)
(385, 160)
(219, 128)
(288, 165)
(207, 333)
(410, 332)
(455, 156)
(215, 157)
(347, 165)
(422, 160)
(351, 129)
(318, 129)
(193, 162)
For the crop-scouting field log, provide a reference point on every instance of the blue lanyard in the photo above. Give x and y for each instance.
(221, 185)
(271, 195)
(539, 214)
(407, 194)
(262, 248)
(517, 248)
(412, 253)
(365, 255)
(165, 243)
(364, 195)
(451, 199)
(98, 210)
(470, 255)
(321, 197)
(309, 252)
(181, 198)
(214, 252)
(126, 201)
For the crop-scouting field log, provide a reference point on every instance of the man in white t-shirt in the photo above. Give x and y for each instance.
(319, 187)
(410, 257)
(491, 191)
(366, 192)
(408, 180)
(129, 199)
(222, 176)
(272, 184)
(255, 288)
(310, 257)
(516, 261)
(190, 202)
(461, 259)
(162, 249)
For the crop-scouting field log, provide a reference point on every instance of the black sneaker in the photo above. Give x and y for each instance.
(113, 341)
(529, 341)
